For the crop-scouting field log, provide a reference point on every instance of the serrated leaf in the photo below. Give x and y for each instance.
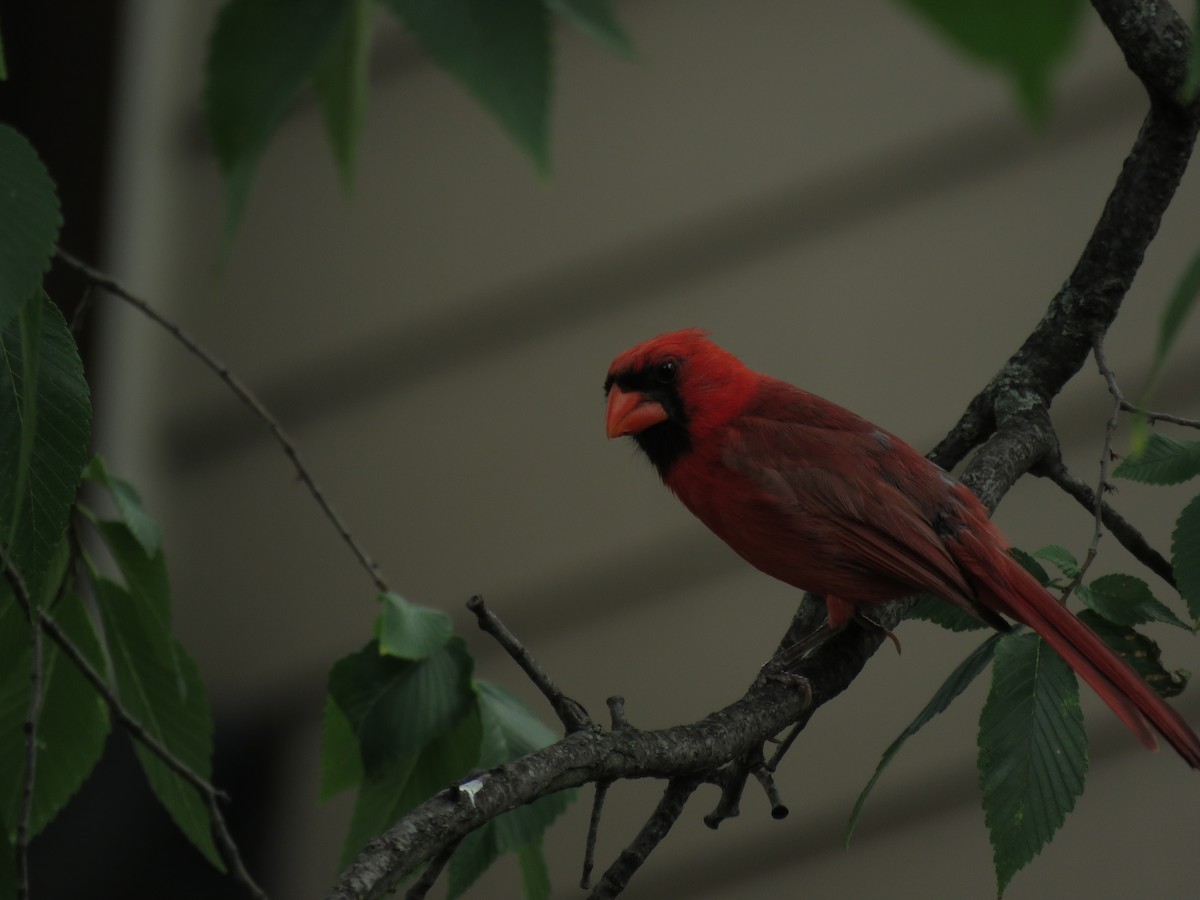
(341, 766)
(261, 55)
(73, 719)
(511, 730)
(1140, 652)
(1025, 39)
(395, 706)
(957, 682)
(29, 222)
(535, 876)
(1161, 460)
(145, 575)
(1032, 751)
(597, 20)
(1059, 557)
(45, 424)
(1125, 600)
(1030, 565)
(341, 84)
(129, 506)
(940, 612)
(409, 631)
(159, 685)
(1185, 556)
(500, 52)
(411, 780)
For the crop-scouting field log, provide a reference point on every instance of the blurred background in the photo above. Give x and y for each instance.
(837, 196)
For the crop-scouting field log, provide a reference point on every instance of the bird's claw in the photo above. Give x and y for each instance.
(774, 672)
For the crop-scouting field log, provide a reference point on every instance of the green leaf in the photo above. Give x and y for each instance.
(341, 767)
(409, 631)
(1032, 751)
(408, 781)
(597, 20)
(535, 877)
(1161, 460)
(1030, 565)
(261, 55)
(29, 222)
(500, 52)
(1125, 600)
(159, 685)
(145, 575)
(944, 614)
(1140, 652)
(341, 84)
(3, 65)
(1185, 556)
(45, 422)
(395, 706)
(129, 506)
(1025, 39)
(1191, 83)
(73, 721)
(475, 853)
(1059, 557)
(955, 684)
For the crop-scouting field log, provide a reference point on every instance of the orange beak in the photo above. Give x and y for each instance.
(631, 413)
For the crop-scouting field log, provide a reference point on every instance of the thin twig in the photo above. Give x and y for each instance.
(211, 795)
(421, 886)
(245, 395)
(779, 809)
(1126, 534)
(82, 308)
(28, 778)
(589, 850)
(572, 715)
(665, 814)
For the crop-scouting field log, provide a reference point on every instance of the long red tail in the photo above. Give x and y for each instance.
(1017, 594)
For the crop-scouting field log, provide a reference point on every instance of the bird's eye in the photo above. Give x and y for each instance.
(666, 371)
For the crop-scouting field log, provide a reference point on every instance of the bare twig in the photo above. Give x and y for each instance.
(244, 394)
(572, 715)
(669, 808)
(28, 778)
(589, 850)
(421, 886)
(211, 795)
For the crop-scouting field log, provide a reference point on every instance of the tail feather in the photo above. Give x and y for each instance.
(1019, 596)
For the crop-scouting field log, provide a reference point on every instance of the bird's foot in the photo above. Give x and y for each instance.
(777, 672)
(871, 624)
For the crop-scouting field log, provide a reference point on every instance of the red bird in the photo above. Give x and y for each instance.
(823, 500)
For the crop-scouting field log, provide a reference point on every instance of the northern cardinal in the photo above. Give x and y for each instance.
(823, 500)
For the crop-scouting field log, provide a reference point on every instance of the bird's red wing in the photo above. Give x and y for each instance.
(836, 493)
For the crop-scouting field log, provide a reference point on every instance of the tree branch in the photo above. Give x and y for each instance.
(1009, 418)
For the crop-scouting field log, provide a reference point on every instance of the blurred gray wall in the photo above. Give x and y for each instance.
(829, 189)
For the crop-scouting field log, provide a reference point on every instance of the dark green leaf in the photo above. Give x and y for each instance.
(472, 858)
(29, 222)
(535, 877)
(1140, 652)
(129, 506)
(45, 422)
(959, 679)
(1191, 84)
(408, 781)
(395, 706)
(341, 766)
(1059, 557)
(598, 20)
(1025, 39)
(1161, 460)
(341, 84)
(1032, 751)
(262, 53)
(409, 631)
(1030, 565)
(1185, 556)
(1125, 600)
(511, 730)
(3, 77)
(160, 687)
(943, 613)
(8, 869)
(73, 722)
(500, 52)
(145, 576)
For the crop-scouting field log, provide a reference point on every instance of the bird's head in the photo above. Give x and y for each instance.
(674, 390)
